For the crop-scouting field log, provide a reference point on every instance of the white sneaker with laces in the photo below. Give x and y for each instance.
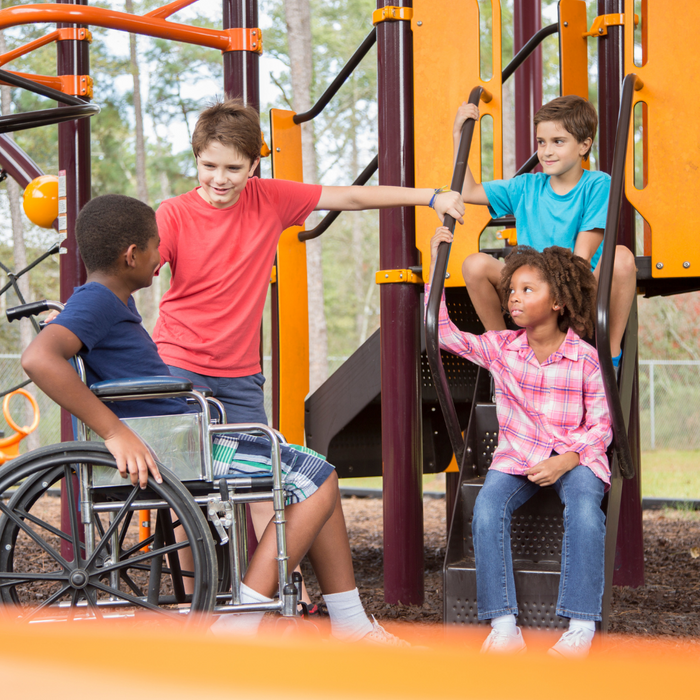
(503, 643)
(381, 637)
(573, 644)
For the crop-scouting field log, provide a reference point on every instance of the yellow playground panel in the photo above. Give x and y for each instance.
(446, 67)
(671, 165)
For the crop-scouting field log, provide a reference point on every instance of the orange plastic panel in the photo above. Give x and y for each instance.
(291, 287)
(446, 66)
(573, 48)
(669, 200)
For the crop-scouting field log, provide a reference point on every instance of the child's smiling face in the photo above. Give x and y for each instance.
(530, 300)
(223, 173)
(558, 150)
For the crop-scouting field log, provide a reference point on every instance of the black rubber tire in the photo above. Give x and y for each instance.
(82, 585)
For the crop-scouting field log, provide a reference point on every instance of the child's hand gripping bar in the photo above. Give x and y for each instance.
(442, 387)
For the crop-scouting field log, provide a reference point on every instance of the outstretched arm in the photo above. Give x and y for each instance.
(472, 191)
(354, 198)
(46, 362)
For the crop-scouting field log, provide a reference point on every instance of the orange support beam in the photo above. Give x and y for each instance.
(291, 289)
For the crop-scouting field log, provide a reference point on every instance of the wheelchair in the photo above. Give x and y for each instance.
(94, 564)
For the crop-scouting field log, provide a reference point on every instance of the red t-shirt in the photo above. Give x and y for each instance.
(221, 260)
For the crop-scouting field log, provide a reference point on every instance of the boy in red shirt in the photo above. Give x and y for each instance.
(220, 240)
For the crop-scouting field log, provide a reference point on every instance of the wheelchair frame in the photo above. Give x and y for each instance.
(223, 499)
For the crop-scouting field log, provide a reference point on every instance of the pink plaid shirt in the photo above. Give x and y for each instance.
(557, 406)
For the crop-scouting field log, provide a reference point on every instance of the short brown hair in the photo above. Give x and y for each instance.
(576, 115)
(568, 276)
(232, 123)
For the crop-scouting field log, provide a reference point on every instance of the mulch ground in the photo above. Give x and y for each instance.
(668, 605)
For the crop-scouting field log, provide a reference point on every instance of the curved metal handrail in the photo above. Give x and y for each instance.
(329, 218)
(617, 181)
(527, 49)
(339, 79)
(432, 343)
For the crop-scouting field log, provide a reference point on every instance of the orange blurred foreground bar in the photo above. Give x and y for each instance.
(63, 660)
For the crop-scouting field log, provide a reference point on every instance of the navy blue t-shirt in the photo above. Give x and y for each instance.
(116, 346)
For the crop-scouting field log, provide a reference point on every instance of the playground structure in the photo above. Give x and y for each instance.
(389, 421)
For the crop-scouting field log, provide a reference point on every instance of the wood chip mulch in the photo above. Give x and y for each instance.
(668, 605)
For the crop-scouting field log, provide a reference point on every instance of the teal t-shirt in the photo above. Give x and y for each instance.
(543, 218)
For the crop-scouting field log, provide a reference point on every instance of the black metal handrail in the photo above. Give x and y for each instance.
(432, 342)
(526, 50)
(76, 109)
(339, 79)
(329, 218)
(617, 181)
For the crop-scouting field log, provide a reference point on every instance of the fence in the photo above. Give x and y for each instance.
(669, 392)
(669, 399)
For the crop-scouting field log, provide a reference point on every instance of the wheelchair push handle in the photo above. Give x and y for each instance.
(32, 309)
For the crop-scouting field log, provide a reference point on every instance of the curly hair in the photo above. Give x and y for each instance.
(108, 225)
(568, 276)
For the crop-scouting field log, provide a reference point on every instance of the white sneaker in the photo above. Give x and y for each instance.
(503, 643)
(573, 644)
(381, 637)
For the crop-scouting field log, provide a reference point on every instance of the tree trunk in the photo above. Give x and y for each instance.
(298, 16)
(26, 332)
(146, 299)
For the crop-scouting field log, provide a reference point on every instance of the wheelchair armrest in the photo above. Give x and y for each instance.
(141, 385)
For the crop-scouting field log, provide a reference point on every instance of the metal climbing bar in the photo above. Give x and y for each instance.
(528, 49)
(339, 79)
(617, 183)
(328, 219)
(432, 342)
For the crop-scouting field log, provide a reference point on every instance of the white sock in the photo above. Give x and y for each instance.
(505, 624)
(349, 621)
(588, 626)
(241, 623)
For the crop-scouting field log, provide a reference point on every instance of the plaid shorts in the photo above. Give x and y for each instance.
(303, 470)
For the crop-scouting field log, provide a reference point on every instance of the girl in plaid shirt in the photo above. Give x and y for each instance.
(554, 430)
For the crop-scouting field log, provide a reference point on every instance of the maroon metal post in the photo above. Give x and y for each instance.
(242, 80)
(400, 318)
(527, 20)
(629, 564)
(73, 58)
(242, 68)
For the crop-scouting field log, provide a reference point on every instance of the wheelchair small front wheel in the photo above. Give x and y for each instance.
(46, 570)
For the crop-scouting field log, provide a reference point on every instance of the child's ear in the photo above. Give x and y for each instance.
(253, 166)
(585, 146)
(130, 255)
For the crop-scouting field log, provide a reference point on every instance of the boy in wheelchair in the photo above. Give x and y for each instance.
(118, 241)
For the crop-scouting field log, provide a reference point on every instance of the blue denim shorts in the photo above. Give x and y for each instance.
(243, 397)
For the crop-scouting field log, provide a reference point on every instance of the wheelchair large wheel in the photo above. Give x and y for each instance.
(46, 571)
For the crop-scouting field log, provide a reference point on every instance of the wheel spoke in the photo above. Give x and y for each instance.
(73, 512)
(125, 527)
(130, 598)
(113, 525)
(49, 601)
(138, 547)
(92, 602)
(44, 525)
(34, 536)
(129, 563)
(131, 583)
(12, 578)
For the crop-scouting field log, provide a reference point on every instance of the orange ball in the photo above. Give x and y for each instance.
(41, 200)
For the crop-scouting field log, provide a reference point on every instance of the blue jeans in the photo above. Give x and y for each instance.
(583, 545)
(243, 397)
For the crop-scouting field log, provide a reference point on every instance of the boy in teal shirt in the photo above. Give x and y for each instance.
(565, 205)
